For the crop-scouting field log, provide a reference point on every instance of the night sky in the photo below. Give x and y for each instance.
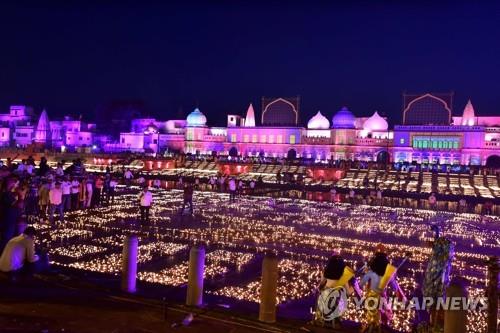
(72, 57)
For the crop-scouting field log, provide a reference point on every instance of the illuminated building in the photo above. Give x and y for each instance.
(429, 134)
(20, 127)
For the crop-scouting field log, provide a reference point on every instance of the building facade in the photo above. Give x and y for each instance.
(21, 127)
(429, 133)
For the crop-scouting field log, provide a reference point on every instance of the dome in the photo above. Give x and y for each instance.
(343, 119)
(375, 123)
(318, 122)
(196, 118)
(151, 129)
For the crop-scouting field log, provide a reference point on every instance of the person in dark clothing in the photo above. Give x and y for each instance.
(188, 197)
(334, 268)
(9, 212)
(31, 208)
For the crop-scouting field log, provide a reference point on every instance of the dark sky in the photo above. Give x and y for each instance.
(71, 57)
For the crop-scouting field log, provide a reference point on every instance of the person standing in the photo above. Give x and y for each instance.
(66, 194)
(43, 168)
(462, 205)
(128, 177)
(240, 187)
(82, 194)
(222, 182)
(111, 191)
(90, 190)
(333, 194)
(141, 181)
(99, 184)
(30, 168)
(21, 168)
(56, 202)
(252, 186)
(380, 273)
(9, 212)
(232, 189)
(432, 201)
(59, 170)
(105, 189)
(43, 199)
(212, 183)
(488, 207)
(145, 201)
(379, 197)
(188, 198)
(351, 196)
(31, 208)
(75, 194)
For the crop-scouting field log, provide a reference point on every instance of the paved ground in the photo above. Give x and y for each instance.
(51, 304)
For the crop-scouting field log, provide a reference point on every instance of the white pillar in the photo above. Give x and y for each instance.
(268, 290)
(195, 276)
(129, 264)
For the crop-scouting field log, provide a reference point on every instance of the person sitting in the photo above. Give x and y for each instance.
(19, 254)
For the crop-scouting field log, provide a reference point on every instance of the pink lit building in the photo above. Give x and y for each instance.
(429, 134)
(21, 127)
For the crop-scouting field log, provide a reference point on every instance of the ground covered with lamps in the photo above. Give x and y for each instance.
(302, 233)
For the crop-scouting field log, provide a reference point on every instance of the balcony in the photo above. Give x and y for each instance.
(316, 141)
(373, 142)
(492, 144)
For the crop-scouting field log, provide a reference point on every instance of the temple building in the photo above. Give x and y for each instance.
(21, 128)
(429, 134)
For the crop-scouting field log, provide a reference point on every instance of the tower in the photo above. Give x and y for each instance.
(469, 117)
(250, 118)
(42, 132)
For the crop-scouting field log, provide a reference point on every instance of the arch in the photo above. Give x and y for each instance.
(408, 107)
(279, 100)
(233, 152)
(383, 157)
(493, 161)
(292, 154)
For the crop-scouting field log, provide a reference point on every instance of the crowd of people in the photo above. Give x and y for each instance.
(32, 193)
